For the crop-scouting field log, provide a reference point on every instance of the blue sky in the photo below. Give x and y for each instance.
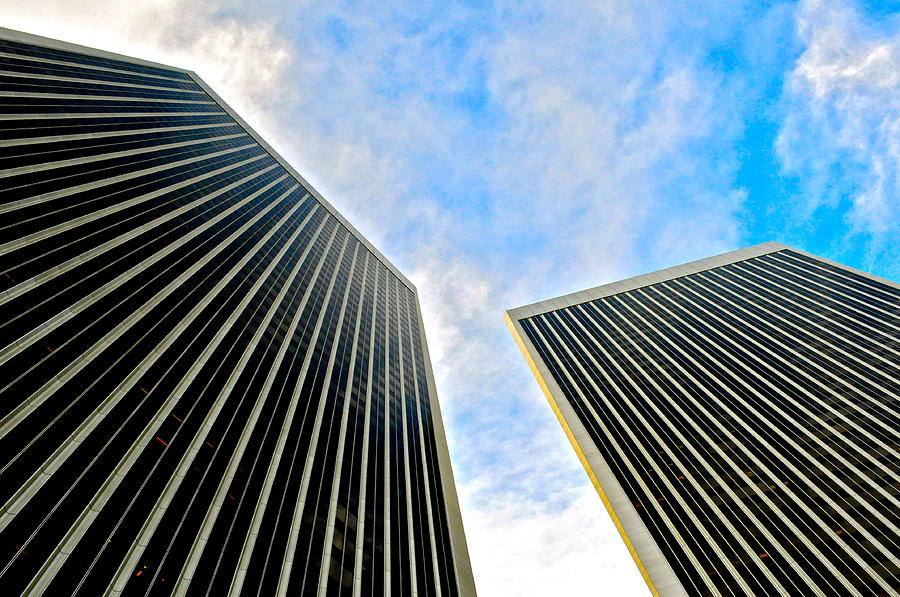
(505, 152)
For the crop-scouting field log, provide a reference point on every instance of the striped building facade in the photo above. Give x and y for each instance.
(211, 383)
(738, 416)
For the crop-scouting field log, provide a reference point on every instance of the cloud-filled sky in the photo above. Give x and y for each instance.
(500, 153)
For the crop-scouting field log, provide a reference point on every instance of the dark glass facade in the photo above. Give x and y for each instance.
(211, 384)
(745, 413)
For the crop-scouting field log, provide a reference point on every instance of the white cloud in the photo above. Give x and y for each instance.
(841, 134)
(562, 555)
(618, 151)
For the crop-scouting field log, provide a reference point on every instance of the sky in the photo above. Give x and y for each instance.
(500, 153)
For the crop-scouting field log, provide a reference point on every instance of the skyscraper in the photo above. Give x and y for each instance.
(211, 382)
(738, 416)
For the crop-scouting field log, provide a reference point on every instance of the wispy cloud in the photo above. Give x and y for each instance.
(563, 548)
(617, 148)
(841, 135)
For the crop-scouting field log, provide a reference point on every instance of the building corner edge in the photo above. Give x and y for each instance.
(567, 421)
(461, 562)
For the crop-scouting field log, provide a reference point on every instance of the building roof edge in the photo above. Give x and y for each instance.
(639, 281)
(312, 190)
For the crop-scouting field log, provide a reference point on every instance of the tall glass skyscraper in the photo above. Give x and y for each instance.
(211, 383)
(739, 417)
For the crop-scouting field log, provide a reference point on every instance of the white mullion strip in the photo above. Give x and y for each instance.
(91, 67)
(17, 415)
(412, 323)
(96, 504)
(744, 404)
(824, 470)
(98, 82)
(97, 214)
(106, 98)
(115, 140)
(48, 326)
(387, 436)
(848, 301)
(735, 467)
(10, 172)
(339, 461)
(411, 528)
(287, 564)
(796, 403)
(671, 455)
(59, 457)
(863, 455)
(293, 325)
(364, 465)
(749, 408)
(355, 450)
(251, 537)
(162, 503)
(103, 134)
(270, 379)
(822, 331)
(212, 513)
(96, 115)
(786, 330)
(34, 200)
(823, 301)
(47, 275)
(784, 257)
(825, 372)
(634, 475)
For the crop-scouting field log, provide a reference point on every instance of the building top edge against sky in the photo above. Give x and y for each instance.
(23, 37)
(669, 273)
